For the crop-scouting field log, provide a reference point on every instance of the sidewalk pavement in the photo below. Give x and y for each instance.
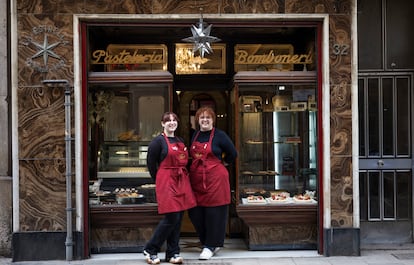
(372, 255)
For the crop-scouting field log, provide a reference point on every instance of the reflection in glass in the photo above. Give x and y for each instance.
(388, 117)
(403, 195)
(374, 191)
(389, 195)
(373, 117)
(403, 117)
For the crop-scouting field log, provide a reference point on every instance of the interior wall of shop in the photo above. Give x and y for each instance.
(40, 201)
(5, 162)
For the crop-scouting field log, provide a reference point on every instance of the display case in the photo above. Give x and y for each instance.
(123, 176)
(122, 201)
(277, 176)
(123, 159)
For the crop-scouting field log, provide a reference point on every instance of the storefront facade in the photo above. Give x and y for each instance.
(292, 118)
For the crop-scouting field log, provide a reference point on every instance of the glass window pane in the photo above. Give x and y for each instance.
(370, 34)
(361, 116)
(403, 117)
(116, 122)
(148, 125)
(277, 141)
(363, 200)
(403, 195)
(389, 195)
(388, 116)
(374, 195)
(373, 126)
(399, 22)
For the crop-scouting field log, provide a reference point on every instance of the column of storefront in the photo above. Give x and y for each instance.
(5, 178)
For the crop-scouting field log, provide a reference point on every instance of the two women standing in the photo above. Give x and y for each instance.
(204, 191)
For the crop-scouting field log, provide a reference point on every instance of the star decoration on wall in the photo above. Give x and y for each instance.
(45, 49)
(201, 38)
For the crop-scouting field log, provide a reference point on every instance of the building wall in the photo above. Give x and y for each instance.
(40, 110)
(5, 174)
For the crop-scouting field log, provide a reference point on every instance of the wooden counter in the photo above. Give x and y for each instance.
(279, 227)
(132, 215)
(122, 228)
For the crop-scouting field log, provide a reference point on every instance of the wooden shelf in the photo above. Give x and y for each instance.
(124, 215)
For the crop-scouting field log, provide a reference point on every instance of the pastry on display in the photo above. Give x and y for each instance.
(255, 199)
(279, 196)
(302, 198)
(128, 136)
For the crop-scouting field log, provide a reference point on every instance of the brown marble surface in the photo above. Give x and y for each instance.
(282, 235)
(41, 146)
(119, 237)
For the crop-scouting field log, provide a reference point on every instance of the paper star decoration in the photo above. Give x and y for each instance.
(201, 38)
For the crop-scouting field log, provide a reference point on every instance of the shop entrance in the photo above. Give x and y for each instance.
(386, 144)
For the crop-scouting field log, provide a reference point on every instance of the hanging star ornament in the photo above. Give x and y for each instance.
(201, 38)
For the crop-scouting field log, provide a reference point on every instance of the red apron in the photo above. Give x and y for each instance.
(209, 177)
(173, 188)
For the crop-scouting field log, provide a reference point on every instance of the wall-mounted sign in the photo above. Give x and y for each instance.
(118, 57)
(189, 62)
(268, 57)
(45, 46)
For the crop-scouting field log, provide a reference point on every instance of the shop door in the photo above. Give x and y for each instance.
(385, 158)
(189, 102)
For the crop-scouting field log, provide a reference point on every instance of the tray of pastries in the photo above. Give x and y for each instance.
(256, 199)
(128, 196)
(279, 197)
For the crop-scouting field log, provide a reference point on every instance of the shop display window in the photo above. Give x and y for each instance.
(120, 131)
(277, 142)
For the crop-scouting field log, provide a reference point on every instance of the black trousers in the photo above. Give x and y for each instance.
(210, 224)
(168, 229)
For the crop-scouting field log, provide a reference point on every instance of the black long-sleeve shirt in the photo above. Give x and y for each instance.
(221, 144)
(157, 151)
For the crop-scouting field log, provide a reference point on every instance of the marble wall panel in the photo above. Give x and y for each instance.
(185, 7)
(318, 6)
(340, 41)
(341, 120)
(42, 195)
(42, 158)
(33, 6)
(341, 192)
(41, 123)
(340, 56)
(252, 7)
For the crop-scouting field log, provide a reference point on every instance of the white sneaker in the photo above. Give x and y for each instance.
(206, 254)
(151, 259)
(176, 259)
